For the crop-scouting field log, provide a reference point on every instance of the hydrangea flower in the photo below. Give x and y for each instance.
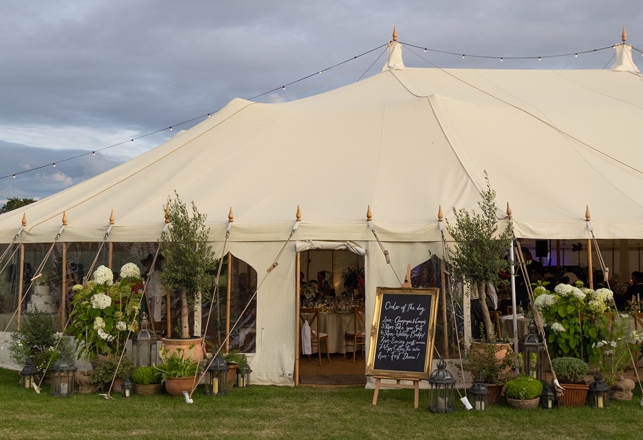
(596, 306)
(557, 327)
(605, 295)
(103, 275)
(130, 270)
(578, 294)
(121, 326)
(77, 288)
(99, 323)
(101, 301)
(545, 300)
(104, 335)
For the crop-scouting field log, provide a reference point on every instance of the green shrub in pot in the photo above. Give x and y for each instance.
(523, 388)
(146, 376)
(569, 369)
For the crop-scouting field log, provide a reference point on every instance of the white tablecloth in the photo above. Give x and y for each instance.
(335, 325)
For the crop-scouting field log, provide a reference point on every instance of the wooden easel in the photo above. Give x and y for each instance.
(415, 386)
(415, 382)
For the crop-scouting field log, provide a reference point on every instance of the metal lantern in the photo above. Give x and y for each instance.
(127, 387)
(534, 353)
(216, 377)
(548, 397)
(243, 376)
(63, 381)
(599, 393)
(479, 395)
(28, 375)
(144, 344)
(441, 393)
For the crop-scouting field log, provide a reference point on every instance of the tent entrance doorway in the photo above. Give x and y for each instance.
(330, 278)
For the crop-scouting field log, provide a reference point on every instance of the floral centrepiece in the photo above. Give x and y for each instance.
(105, 311)
(574, 317)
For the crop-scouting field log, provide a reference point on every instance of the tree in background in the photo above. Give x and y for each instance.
(15, 203)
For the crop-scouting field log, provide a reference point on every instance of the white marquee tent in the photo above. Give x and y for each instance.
(404, 141)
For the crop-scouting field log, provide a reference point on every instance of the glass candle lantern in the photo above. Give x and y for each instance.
(28, 375)
(144, 344)
(216, 377)
(479, 395)
(243, 376)
(547, 398)
(63, 381)
(441, 392)
(534, 353)
(599, 393)
(127, 387)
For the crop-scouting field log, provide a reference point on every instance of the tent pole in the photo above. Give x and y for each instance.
(63, 289)
(590, 269)
(512, 270)
(21, 274)
(445, 321)
(227, 307)
(298, 326)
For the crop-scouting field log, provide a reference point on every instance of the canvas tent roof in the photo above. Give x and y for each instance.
(403, 141)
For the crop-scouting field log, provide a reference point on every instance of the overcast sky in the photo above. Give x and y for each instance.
(80, 76)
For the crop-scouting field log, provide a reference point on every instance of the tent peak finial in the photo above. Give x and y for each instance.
(64, 218)
(111, 218)
(395, 33)
(440, 214)
(369, 214)
(24, 219)
(509, 212)
(167, 213)
(588, 216)
(230, 215)
(298, 215)
(624, 35)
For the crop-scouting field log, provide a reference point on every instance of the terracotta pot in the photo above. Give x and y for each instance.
(148, 389)
(118, 382)
(193, 347)
(494, 392)
(524, 404)
(575, 394)
(175, 387)
(232, 375)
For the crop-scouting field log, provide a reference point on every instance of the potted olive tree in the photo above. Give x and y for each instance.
(478, 256)
(189, 264)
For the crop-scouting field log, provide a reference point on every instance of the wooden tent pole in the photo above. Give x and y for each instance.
(110, 255)
(298, 326)
(21, 275)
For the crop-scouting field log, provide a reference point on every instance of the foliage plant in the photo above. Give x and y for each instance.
(103, 375)
(575, 319)
(177, 365)
(482, 360)
(104, 312)
(523, 388)
(352, 276)
(237, 358)
(569, 369)
(146, 376)
(616, 352)
(38, 341)
(190, 264)
(480, 248)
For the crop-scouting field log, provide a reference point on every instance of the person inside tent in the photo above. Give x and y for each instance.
(323, 286)
(156, 292)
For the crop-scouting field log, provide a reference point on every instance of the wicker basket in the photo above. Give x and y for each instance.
(575, 395)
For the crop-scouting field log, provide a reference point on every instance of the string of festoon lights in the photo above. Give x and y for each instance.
(462, 55)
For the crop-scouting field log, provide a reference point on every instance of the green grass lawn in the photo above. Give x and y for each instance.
(274, 412)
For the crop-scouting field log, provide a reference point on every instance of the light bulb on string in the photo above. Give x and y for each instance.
(93, 153)
(54, 164)
(462, 56)
(283, 87)
(538, 58)
(14, 176)
(500, 59)
(425, 50)
(170, 128)
(575, 55)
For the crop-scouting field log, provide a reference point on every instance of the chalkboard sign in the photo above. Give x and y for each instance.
(403, 333)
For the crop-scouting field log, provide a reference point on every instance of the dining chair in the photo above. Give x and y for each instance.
(316, 337)
(356, 336)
